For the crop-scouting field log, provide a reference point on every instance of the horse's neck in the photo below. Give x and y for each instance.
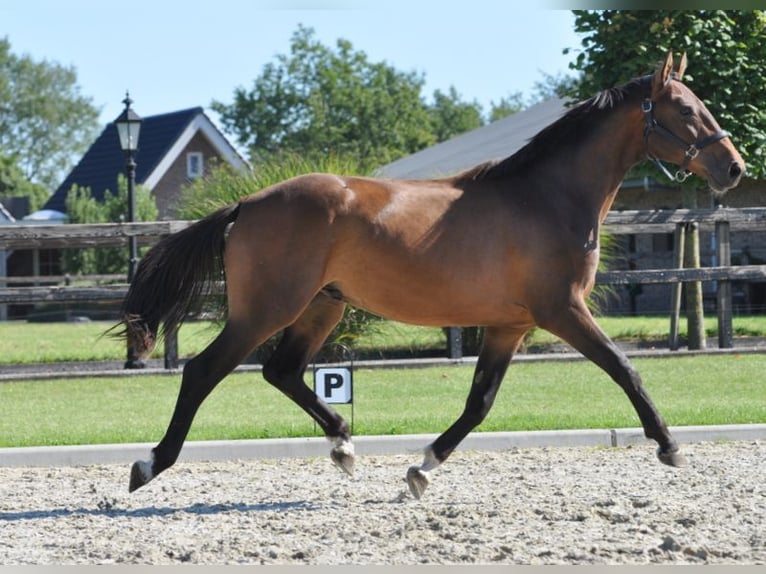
(599, 165)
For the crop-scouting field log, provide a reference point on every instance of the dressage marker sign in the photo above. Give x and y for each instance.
(334, 385)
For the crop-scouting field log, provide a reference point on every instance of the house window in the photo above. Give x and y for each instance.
(194, 165)
(50, 262)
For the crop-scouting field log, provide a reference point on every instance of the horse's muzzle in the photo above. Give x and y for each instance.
(736, 170)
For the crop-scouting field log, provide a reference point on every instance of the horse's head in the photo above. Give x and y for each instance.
(680, 129)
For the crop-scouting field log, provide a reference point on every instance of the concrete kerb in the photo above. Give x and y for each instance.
(312, 447)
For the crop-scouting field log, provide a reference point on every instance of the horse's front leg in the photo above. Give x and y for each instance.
(578, 328)
(497, 350)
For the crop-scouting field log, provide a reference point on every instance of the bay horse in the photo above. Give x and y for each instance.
(507, 245)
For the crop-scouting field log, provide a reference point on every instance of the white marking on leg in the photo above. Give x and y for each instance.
(342, 454)
(343, 446)
(430, 461)
(419, 477)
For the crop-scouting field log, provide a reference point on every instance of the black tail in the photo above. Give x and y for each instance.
(173, 277)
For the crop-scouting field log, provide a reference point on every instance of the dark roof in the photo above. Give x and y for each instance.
(494, 141)
(104, 161)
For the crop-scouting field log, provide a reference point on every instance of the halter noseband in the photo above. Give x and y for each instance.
(691, 150)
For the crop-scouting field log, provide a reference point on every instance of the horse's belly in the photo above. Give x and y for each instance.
(426, 300)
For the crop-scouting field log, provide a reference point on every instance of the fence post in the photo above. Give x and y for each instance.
(455, 343)
(695, 313)
(723, 287)
(171, 349)
(679, 241)
(3, 284)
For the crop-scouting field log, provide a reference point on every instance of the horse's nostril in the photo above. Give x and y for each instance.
(735, 170)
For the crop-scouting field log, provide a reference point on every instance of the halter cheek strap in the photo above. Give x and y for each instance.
(691, 150)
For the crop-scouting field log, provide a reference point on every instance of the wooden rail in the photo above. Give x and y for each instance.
(644, 276)
(637, 222)
(85, 234)
(722, 220)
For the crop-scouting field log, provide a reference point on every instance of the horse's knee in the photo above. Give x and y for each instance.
(275, 373)
(270, 374)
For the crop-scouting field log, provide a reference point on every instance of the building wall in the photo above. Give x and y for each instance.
(167, 192)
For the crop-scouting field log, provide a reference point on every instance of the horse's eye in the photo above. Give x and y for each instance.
(686, 111)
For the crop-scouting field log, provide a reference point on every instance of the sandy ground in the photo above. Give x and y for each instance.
(521, 506)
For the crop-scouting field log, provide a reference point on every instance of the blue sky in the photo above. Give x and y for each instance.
(174, 54)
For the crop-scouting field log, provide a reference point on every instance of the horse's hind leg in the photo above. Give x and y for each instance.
(200, 376)
(497, 350)
(286, 367)
(577, 326)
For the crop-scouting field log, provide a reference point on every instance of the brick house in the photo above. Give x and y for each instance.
(174, 149)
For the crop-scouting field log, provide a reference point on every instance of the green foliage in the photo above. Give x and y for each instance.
(224, 185)
(45, 123)
(13, 183)
(727, 62)
(320, 100)
(451, 117)
(82, 207)
(551, 86)
(507, 106)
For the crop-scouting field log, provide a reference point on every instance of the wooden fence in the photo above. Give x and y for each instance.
(722, 221)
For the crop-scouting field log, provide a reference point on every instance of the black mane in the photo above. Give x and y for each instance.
(580, 120)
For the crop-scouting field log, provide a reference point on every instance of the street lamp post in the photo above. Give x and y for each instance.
(128, 128)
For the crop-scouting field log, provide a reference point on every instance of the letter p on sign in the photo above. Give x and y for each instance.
(333, 385)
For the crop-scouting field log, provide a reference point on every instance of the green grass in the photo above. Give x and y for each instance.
(656, 328)
(24, 343)
(697, 390)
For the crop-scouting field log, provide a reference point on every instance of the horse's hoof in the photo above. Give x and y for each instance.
(418, 480)
(672, 458)
(343, 457)
(140, 474)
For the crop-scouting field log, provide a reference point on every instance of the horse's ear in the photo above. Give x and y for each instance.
(681, 68)
(662, 75)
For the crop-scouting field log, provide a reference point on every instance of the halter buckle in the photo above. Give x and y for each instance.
(647, 106)
(692, 151)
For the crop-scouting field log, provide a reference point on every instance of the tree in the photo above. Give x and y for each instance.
(82, 207)
(726, 51)
(507, 106)
(14, 184)
(45, 123)
(319, 100)
(551, 86)
(554, 86)
(451, 117)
